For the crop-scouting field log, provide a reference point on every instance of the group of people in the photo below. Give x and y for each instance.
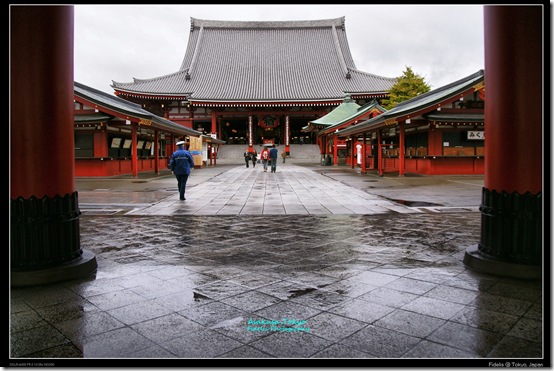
(181, 163)
(267, 157)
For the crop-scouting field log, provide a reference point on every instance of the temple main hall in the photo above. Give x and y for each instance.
(254, 83)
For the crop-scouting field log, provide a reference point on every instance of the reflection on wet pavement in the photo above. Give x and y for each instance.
(361, 286)
(259, 265)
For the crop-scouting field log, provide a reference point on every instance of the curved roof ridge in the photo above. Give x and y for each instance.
(136, 80)
(195, 53)
(126, 107)
(332, 22)
(420, 102)
(340, 54)
(355, 70)
(443, 88)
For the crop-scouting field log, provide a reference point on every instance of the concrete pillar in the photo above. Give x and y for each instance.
(44, 219)
(511, 207)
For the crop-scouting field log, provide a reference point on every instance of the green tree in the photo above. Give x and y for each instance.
(408, 85)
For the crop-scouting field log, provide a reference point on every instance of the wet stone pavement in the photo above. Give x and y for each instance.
(298, 283)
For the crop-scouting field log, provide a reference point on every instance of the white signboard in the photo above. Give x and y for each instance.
(476, 135)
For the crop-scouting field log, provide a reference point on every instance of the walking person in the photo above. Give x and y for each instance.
(273, 158)
(254, 156)
(247, 157)
(284, 156)
(180, 163)
(265, 158)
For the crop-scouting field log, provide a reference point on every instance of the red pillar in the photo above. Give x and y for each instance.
(156, 152)
(335, 150)
(44, 204)
(134, 151)
(364, 154)
(401, 157)
(287, 135)
(511, 232)
(353, 152)
(379, 153)
(214, 122)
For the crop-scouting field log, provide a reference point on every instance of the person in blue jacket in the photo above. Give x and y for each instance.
(273, 158)
(180, 163)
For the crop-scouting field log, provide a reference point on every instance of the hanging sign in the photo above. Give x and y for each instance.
(476, 135)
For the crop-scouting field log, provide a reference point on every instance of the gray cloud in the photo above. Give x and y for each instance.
(442, 43)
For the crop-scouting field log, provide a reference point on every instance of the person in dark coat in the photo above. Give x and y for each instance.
(273, 158)
(180, 163)
(254, 155)
(247, 157)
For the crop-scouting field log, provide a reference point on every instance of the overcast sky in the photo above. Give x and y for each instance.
(442, 43)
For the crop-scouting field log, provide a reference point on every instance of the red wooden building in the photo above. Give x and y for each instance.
(346, 114)
(114, 136)
(439, 132)
(258, 82)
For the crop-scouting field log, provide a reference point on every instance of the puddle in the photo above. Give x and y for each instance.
(227, 323)
(412, 203)
(297, 293)
(198, 296)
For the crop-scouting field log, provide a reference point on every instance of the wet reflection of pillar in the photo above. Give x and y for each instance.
(511, 207)
(44, 215)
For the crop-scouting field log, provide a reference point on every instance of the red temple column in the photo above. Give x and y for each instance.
(401, 158)
(134, 151)
(335, 150)
(353, 152)
(511, 207)
(156, 152)
(45, 236)
(380, 163)
(287, 135)
(214, 123)
(364, 154)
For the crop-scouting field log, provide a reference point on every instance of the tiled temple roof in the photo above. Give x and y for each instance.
(287, 61)
(102, 100)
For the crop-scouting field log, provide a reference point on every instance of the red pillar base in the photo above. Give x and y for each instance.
(474, 260)
(86, 264)
(511, 227)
